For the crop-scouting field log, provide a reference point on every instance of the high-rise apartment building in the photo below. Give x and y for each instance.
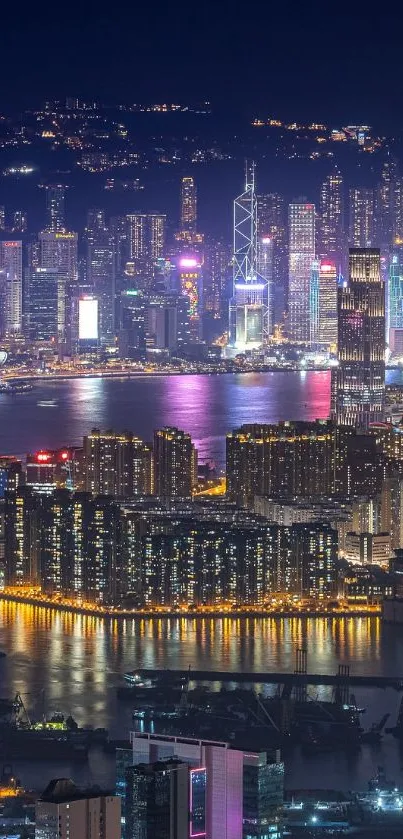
(301, 230)
(248, 310)
(331, 226)
(175, 463)
(55, 210)
(116, 464)
(11, 286)
(359, 381)
(361, 218)
(215, 781)
(65, 812)
(157, 800)
(290, 458)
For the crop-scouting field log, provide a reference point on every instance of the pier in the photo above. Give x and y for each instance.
(287, 679)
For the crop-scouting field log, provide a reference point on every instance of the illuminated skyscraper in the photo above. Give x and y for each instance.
(327, 321)
(20, 222)
(386, 203)
(146, 242)
(248, 309)
(359, 392)
(157, 800)
(332, 219)
(59, 252)
(55, 215)
(2, 217)
(101, 280)
(361, 218)
(271, 222)
(191, 286)
(301, 226)
(116, 464)
(395, 292)
(175, 463)
(188, 205)
(11, 286)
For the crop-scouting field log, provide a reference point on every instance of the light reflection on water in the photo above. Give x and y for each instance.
(78, 661)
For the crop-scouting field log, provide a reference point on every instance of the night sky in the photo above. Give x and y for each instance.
(331, 61)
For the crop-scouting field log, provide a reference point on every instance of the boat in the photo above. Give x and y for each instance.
(15, 386)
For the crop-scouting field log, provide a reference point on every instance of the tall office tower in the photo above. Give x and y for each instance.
(265, 267)
(361, 232)
(2, 218)
(314, 304)
(315, 550)
(120, 236)
(290, 458)
(327, 309)
(216, 788)
(132, 324)
(301, 231)
(64, 812)
(359, 391)
(46, 305)
(95, 227)
(11, 281)
(102, 279)
(157, 800)
(331, 225)
(394, 332)
(191, 287)
(263, 796)
(167, 322)
(146, 242)
(59, 252)
(55, 213)
(248, 310)
(271, 222)
(19, 222)
(116, 464)
(188, 205)
(216, 277)
(398, 220)
(22, 536)
(175, 463)
(386, 203)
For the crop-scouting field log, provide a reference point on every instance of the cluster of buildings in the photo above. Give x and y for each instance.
(172, 788)
(129, 286)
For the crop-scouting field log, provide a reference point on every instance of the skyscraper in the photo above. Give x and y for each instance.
(248, 308)
(327, 321)
(43, 305)
(386, 202)
(359, 392)
(175, 463)
(101, 279)
(271, 222)
(331, 228)
(157, 800)
(216, 790)
(11, 280)
(263, 796)
(301, 230)
(361, 218)
(55, 214)
(191, 286)
(20, 222)
(395, 308)
(188, 205)
(146, 242)
(59, 252)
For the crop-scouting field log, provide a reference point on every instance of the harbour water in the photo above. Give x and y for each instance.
(78, 661)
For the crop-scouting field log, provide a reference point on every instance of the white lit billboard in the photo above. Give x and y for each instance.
(88, 319)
